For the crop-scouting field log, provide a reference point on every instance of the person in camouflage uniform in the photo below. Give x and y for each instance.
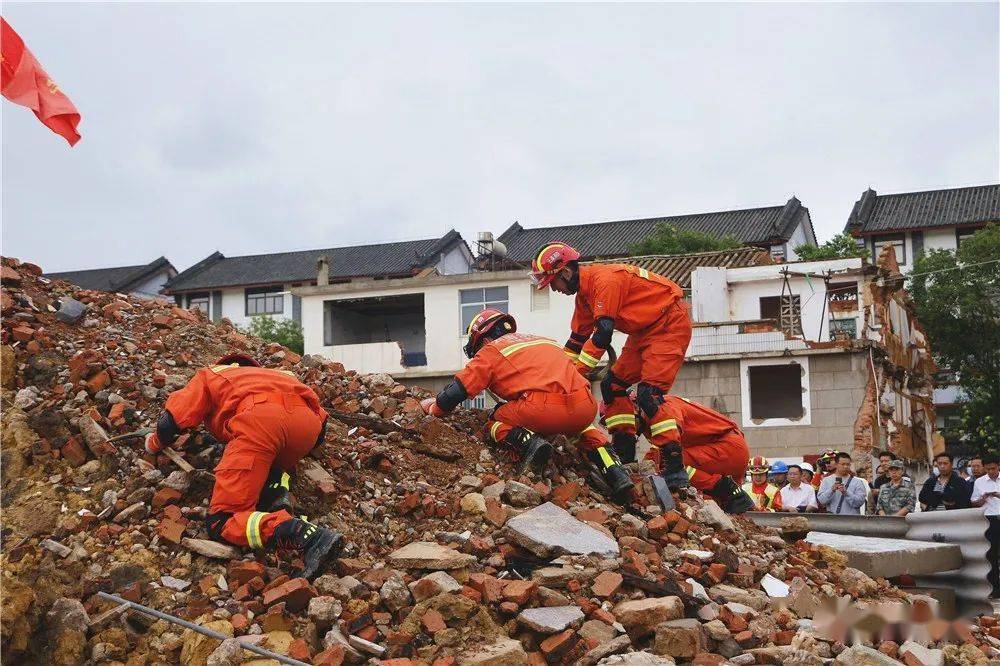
(897, 497)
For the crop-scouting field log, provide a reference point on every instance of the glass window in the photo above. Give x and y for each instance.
(474, 301)
(198, 301)
(844, 329)
(898, 243)
(268, 300)
(963, 234)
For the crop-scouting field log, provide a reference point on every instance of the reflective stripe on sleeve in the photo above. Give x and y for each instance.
(587, 359)
(253, 530)
(507, 351)
(661, 427)
(620, 420)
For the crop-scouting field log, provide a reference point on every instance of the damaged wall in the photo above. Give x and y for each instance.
(898, 410)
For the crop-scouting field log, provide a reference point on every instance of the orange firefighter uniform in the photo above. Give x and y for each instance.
(652, 311)
(766, 496)
(712, 446)
(265, 417)
(542, 389)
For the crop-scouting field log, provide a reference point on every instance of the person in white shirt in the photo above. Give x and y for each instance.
(986, 493)
(798, 496)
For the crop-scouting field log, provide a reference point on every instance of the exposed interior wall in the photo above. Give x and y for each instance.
(150, 288)
(455, 261)
(798, 237)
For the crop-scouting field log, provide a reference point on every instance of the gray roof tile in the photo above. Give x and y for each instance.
(381, 260)
(753, 226)
(879, 213)
(119, 278)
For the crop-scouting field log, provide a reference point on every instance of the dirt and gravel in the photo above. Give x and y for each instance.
(452, 559)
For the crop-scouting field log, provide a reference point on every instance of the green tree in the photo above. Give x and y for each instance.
(957, 294)
(668, 239)
(277, 329)
(841, 246)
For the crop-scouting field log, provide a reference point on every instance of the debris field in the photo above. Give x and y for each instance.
(452, 560)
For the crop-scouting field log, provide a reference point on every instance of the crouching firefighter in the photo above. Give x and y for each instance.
(544, 395)
(700, 448)
(268, 421)
(649, 308)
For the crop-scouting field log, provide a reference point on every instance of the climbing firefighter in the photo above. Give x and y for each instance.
(543, 395)
(268, 420)
(714, 453)
(652, 311)
(765, 495)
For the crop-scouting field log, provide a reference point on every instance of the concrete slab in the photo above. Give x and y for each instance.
(548, 530)
(891, 557)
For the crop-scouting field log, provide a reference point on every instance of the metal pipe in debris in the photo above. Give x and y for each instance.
(284, 659)
(890, 527)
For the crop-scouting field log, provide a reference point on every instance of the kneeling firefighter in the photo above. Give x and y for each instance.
(269, 420)
(544, 393)
(712, 453)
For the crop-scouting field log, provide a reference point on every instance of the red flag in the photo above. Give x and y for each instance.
(24, 82)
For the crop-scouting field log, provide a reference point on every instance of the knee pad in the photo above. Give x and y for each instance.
(649, 398)
(215, 522)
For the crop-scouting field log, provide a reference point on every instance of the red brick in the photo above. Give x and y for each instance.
(239, 622)
(471, 593)
(410, 502)
(170, 530)
(332, 656)
(784, 637)
(566, 493)
(519, 591)
(671, 517)
(165, 496)
(295, 593)
(23, 333)
(509, 608)
(591, 515)
(963, 632)
(536, 659)
(98, 382)
(73, 452)
(745, 638)
(689, 569)
(606, 584)
(398, 638)
(299, 649)
(432, 622)
(496, 514)
(399, 661)
(716, 573)
(889, 648)
(681, 527)
(131, 592)
(444, 661)
(491, 588)
(558, 646)
(240, 572)
(603, 615)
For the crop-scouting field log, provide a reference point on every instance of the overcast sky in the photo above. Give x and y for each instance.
(253, 128)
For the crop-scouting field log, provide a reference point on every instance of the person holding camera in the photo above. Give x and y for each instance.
(842, 492)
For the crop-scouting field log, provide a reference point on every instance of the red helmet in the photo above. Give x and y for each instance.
(483, 323)
(237, 358)
(550, 260)
(759, 465)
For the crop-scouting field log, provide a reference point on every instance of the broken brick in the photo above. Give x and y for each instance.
(606, 584)
(295, 593)
(519, 591)
(556, 647)
(432, 621)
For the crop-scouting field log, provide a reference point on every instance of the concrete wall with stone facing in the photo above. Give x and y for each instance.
(837, 387)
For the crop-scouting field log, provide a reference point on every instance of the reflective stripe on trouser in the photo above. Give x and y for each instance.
(619, 416)
(707, 463)
(550, 414)
(262, 435)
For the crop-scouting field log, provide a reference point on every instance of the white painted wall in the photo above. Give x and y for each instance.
(934, 239)
(797, 238)
(456, 261)
(740, 300)
(151, 287)
(234, 305)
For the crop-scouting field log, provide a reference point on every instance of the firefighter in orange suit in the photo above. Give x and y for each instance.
(269, 420)
(713, 451)
(543, 393)
(765, 494)
(652, 311)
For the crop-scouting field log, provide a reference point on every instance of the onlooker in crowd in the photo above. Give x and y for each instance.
(842, 492)
(823, 466)
(882, 476)
(796, 495)
(897, 497)
(779, 473)
(807, 474)
(947, 490)
(976, 467)
(986, 493)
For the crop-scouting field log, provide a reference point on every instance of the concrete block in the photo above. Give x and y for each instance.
(847, 416)
(692, 370)
(850, 380)
(820, 381)
(835, 437)
(830, 362)
(824, 417)
(891, 557)
(833, 398)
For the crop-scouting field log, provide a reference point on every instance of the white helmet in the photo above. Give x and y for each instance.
(806, 467)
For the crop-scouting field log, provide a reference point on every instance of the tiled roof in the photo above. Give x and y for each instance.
(753, 226)
(379, 260)
(679, 267)
(875, 212)
(112, 279)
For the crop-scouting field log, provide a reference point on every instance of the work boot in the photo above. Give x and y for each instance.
(624, 445)
(276, 496)
(618, 481)
(673, 471)
(317, 544)
(534, 452)
(731, 497)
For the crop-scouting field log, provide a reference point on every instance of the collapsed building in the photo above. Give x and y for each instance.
(452, 560)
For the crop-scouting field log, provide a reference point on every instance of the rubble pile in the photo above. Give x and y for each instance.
(453, 561)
